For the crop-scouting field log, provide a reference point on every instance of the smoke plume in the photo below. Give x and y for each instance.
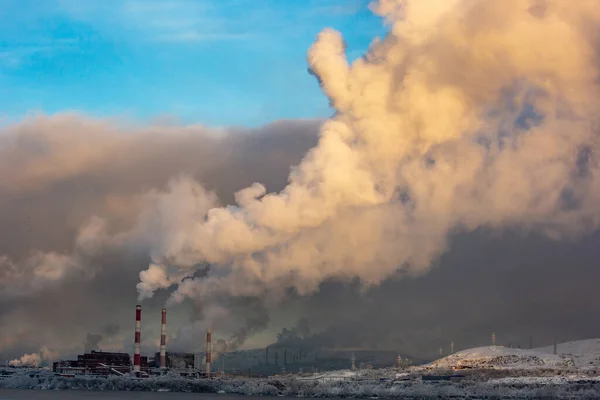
(470, 116)
(27, 360)
(73, 189)
(467, 115)
(92, 342)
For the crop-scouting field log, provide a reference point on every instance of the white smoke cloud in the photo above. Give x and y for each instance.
(27, 360)
(45, 355)
(468, 114)
(42, 270)
(48, 356)
(73, 226)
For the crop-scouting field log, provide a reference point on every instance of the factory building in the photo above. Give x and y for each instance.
(98, 363)
(106, 363)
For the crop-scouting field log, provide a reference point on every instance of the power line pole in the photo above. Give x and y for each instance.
(530, 342)
(493, 338)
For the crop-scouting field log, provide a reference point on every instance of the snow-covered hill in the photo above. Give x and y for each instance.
(584, 353)
(501, 357)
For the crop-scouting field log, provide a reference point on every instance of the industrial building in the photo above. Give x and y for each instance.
(274, 359)
(107, 363)
(98, 363)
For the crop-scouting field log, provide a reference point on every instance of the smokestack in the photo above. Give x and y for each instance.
(138, 328)
(163, 339)
(208, 352)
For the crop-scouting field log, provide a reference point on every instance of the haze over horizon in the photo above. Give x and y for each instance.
(442, 187)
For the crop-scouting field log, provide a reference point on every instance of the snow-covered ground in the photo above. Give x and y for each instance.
(494, 371)
(502, 357)
(331, 375)
(584, 353)
(579, 354)
(505, 388)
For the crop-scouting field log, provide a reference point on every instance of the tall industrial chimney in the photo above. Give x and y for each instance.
(138, 328)
(208, 352)
(163, 339)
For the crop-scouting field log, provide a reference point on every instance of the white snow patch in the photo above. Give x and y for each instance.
(339, 375)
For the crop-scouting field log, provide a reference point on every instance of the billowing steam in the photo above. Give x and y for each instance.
(468, 114)
(35, 359)
(27, 360)
(92, 342)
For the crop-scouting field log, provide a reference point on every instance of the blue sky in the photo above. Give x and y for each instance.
(215, 62)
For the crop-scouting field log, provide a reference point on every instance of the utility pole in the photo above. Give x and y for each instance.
(267, 355)
(441, 351)
(554, 345)
(353, 360)
(493, 338)
(452, 347)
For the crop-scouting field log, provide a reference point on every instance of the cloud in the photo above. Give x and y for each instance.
(196, 36)
(467, 115)
(468, 119)
(181, 21)
(76, 195)
(15, 54)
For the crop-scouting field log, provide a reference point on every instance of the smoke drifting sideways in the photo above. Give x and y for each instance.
(468, 114)
(75, 192)
(34, 359)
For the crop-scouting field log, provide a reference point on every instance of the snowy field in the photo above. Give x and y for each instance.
(503, 357)
(490, 372)
(18, 394)
(584, 353)
(476, 386)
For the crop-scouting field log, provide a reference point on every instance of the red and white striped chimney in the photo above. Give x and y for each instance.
(208, 352)
(138, 329)
(163, 339)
